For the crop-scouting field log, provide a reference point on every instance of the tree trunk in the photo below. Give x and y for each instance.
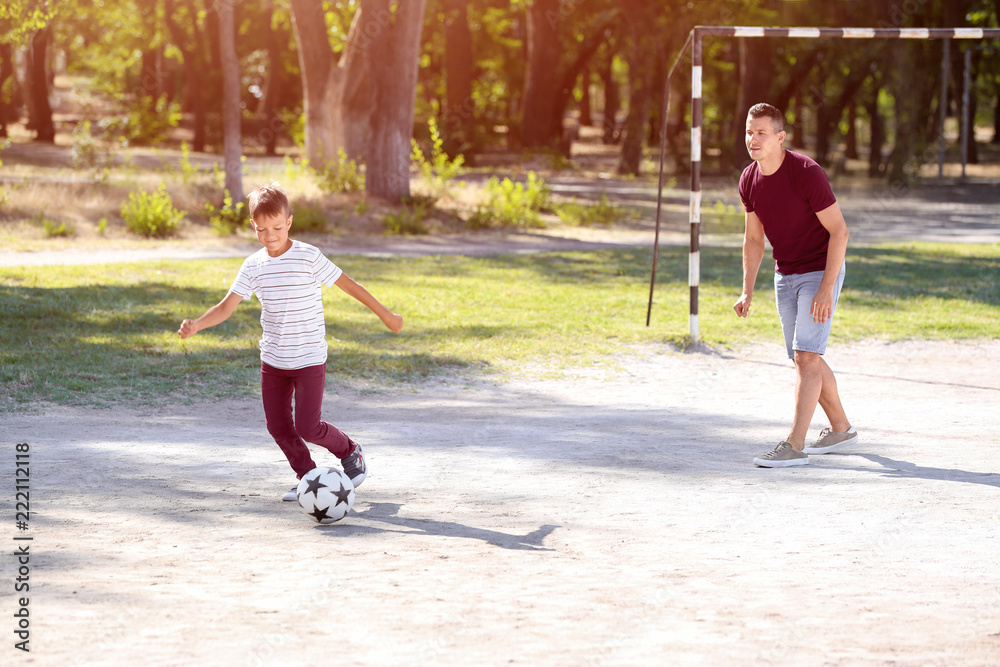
(541, 77)
(612, 101)
(851, 140)
(996, 121)
(40, 111)
(459, 110)
(270, 124)
(6, 71)
(877, 132)
(338, 94)
(586, 119)
(195, 72)
(231, 114)
(642, 55)
(393, 60)
(754, 85)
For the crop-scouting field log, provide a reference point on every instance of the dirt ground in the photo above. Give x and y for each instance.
(606, 518)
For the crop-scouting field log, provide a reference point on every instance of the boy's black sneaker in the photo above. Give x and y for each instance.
(355, 465)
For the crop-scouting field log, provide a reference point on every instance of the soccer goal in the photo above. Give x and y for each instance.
(694, 42)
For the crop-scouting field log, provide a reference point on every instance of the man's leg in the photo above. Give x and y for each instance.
(815, 384)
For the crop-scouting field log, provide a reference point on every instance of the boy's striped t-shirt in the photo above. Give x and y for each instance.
(289, 290)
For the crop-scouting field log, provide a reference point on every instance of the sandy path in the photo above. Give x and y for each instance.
(598, 519)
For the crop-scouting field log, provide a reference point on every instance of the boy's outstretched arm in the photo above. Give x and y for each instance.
(390, 319)
(217, 314)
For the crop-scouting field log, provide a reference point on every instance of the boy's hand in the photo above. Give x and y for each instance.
(187, 329)
(394, 322)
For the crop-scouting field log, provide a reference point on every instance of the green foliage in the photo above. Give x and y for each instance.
(20, 18)
(230, 218)
(309, 218)
(723, 217)
(189, 171)
(143, 120)
(439, 171)
(586, 215)
(341, 176)
(52, 228)
(362, 206)
(55, 229)
(102, 226)
(410, 219)
(151, 214)
(512, 203)
(89, 154)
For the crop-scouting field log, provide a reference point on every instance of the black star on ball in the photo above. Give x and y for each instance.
(343, 496)
(320, 513)
(314, 486)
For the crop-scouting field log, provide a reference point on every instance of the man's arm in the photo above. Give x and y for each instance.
(833, 220)
(753, 253)
(217, 314)
(393, 321)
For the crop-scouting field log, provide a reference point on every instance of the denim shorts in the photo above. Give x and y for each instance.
(793, 295)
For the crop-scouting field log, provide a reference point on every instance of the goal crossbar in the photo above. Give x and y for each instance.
(694, 40)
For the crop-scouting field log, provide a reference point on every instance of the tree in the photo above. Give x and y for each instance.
(39, 109)
(561, 40)
(337, 90)
(393, 58)
(231, 115)
(644, 48)
(459, 107)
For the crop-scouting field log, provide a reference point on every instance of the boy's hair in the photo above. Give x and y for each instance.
(764, 110)
(268, 201)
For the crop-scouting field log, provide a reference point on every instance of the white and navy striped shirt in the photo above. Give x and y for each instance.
(288, 287)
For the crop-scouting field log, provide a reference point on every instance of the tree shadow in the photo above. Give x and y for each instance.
(905, 470)
(388, 513)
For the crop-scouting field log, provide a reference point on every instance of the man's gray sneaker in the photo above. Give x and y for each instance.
(830, 440)
(291, 495)
(781, 456)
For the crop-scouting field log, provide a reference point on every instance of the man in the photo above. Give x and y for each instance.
(788, 199)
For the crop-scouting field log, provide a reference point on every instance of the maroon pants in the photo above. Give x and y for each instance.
(277, 388)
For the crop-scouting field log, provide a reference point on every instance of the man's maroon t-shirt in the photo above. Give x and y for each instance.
(786, 203)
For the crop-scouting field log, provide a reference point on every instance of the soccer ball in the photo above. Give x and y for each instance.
(326, 494)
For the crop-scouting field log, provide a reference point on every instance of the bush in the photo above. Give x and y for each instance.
(410, 219)
(342, 176)
(512, 204)
(582, 215)
(151, 214)
(228, 219)
(308, 219)
(89, 154)
(439, 171)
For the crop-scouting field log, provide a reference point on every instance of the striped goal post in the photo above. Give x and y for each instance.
(695, 41)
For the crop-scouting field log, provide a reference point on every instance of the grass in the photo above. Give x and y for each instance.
(102, 335)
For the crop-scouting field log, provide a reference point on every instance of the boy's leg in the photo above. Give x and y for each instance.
(309, 385)
(276, 388)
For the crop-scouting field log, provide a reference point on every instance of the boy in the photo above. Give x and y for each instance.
(286, 276)
(788, 199)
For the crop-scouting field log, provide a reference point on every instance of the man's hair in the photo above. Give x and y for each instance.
(764, 110)
(268, 201)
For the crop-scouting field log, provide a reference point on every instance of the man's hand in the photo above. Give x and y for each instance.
(822, 305)
(742, 307)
